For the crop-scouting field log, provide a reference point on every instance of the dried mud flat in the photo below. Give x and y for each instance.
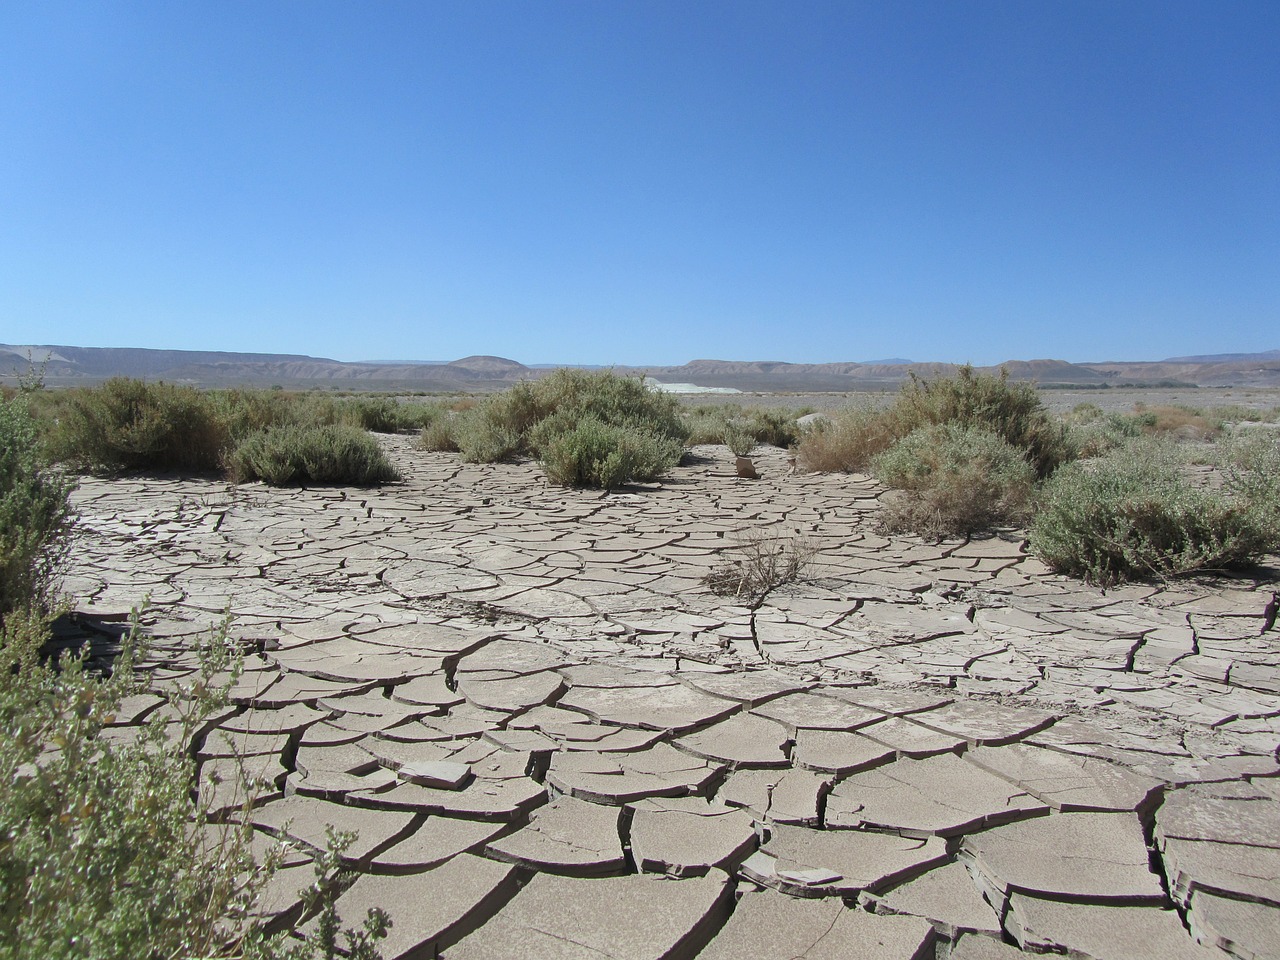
(555, 742)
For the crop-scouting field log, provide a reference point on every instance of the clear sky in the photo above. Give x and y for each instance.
(643, 182)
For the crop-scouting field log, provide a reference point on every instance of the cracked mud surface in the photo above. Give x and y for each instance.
(554, 741)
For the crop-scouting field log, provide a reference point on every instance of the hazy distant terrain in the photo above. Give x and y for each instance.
(68, 365)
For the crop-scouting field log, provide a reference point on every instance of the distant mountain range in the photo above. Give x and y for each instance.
(64, 365)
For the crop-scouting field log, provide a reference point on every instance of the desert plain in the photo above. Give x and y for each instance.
(555, 741)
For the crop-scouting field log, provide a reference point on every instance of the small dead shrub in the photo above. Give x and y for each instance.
(759, 562)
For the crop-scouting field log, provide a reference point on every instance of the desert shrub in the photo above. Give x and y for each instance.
(245, 412)
(739, 440)
(127, 424)
(1251, 466)
(440, 435)
(482, 438)
(1012, 411)
(106, 854)
(34, 512)
(953, 479)
(1184, 422)
(759, 561)
(773, 427)
(386, 414)
(561, 420)
(848, 442)
(1134, 513)
(706, 425)
(379, 414)
(1106, 432)
(591, 453)
(325, 454)
(1238, 413)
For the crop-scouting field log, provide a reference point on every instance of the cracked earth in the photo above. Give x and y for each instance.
(555, 742)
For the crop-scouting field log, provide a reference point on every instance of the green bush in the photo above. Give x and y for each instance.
(1010, 410)
(127, 424)
(951, 479)
(34, 512)
(1250, 462)
(1134, 513)
(561, 420)
(295, 455)
(592, 453)
(440, 435)
(106, 854)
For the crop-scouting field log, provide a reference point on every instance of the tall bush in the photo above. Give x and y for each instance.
(1133, 513)
(127, 424)
(1013, 411)
(950, 479)
(589, 428)
(34, 512)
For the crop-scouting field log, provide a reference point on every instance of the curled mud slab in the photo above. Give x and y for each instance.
(556, 742)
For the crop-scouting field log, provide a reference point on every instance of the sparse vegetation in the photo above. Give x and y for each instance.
(296, 455)
(1134, 513)
(949, 479)
(587, 428)
(104, 852)
(848, 442)
(775, 427)
(133, 425)
(758, 562)
(280, 437)
(956, 450)
(34, 512)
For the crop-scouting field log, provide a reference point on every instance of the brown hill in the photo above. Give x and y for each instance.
(66, 365)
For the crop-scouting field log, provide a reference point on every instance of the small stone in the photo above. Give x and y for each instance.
(440, 774)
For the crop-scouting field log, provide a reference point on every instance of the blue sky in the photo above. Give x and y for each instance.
(643, 182)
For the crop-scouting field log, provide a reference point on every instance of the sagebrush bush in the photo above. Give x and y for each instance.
(592, 453)
(34, 512)
(295, 455)
(1134, 513)
(440, 435)
(773, 426)
(127, 424)
(563, 420)
(951, 479)
(1010, 410)
(848, 442)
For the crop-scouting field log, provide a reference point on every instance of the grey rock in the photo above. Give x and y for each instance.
(637, 917)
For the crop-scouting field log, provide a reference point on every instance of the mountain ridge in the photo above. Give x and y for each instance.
(69, 365)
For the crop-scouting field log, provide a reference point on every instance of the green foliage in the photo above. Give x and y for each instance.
(34, 512)
(953, 479)
(105, 855)
(129, 424)
(739, 440)
(1134, 513)
(775, 427)
(588, 452)
(440, 435)
(325, 454)
(1012, 411)
(588, 428)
